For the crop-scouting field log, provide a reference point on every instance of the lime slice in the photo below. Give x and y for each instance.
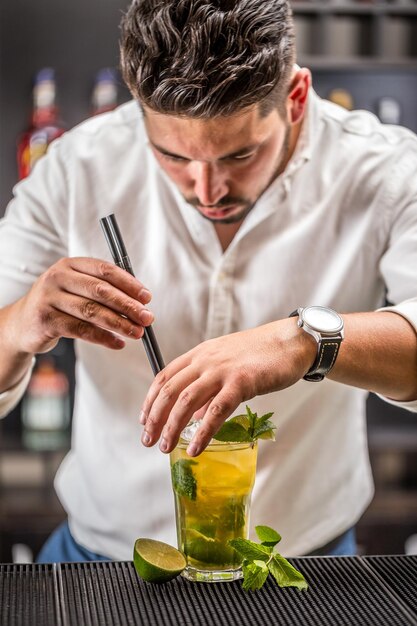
(157, 562)
(209, 551)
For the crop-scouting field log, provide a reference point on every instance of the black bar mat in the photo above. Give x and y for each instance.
(400, 574)
(344, 591)
(29, 595)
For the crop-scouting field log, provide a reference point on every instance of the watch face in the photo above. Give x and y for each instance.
(322, 319)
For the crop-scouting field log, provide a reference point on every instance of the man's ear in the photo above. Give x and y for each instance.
(297, 96)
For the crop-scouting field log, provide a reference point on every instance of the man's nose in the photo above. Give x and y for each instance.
(209, 183)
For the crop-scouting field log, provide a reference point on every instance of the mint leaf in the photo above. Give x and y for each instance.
(264, 430)
(250, 550)
(183, 479)
(261, 420)
(232, 515)
(246, 428)
(243, 420)
(254, 575)
(285, 574)
(252, 419)
(233, 432)
(268, 536)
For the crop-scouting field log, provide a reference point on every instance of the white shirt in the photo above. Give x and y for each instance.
(336, 228)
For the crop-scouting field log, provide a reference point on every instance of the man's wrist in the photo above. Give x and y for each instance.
(326, 327)
(15, 361)
(306, 347)
(11, 396)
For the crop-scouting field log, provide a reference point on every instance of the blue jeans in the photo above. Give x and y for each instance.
(62, 548)
(344, 545)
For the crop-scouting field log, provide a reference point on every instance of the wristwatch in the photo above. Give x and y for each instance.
(326, 326)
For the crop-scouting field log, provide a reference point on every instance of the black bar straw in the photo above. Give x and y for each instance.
(120, 257)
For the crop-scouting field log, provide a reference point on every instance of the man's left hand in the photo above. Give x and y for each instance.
(212, 379)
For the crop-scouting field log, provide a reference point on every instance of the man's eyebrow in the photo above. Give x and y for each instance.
(231, 155)
(242, 151)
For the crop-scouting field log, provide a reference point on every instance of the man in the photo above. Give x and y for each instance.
(242, 197)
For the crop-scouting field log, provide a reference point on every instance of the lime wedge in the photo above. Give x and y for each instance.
(207, 550)
(157, 562)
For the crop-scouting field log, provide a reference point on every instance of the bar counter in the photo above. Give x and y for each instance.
(345, 591)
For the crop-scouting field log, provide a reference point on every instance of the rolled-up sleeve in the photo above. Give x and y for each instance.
(32, 237)
(33, 233)
(408, 310)
(10, 398)
(398, 265)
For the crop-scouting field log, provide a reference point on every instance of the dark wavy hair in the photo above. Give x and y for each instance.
(208, 58)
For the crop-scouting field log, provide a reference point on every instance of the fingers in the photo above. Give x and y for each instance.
(173, 400)
(98, 315)
(159, 381)
(176, 415)
(103, 283)
(76, 295)
(111, 274)
(64, 325)
(103, 293)
(219, 409)
(198, 415)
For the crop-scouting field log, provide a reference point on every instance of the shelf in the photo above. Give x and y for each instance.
(333, 35)
(393, 439)
(42, 443)
(348, 8)
(393, 506)
(357, 63)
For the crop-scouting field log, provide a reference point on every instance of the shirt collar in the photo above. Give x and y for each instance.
(304, 147)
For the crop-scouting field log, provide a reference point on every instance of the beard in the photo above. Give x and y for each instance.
(246, 204)
(227, 201)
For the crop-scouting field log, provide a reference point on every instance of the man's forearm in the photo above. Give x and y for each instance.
(13, 362)
(379, 353)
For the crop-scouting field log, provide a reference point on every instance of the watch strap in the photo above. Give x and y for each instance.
(327, 352)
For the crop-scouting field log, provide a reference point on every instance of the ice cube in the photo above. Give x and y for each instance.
(190, 430)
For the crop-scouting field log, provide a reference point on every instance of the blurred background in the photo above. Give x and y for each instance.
(58, 66)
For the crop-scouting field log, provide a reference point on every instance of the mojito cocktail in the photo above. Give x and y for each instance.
(212, 500)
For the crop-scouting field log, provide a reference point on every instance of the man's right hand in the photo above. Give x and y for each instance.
(81, 298)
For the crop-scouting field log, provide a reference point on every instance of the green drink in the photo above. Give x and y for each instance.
(212, 500)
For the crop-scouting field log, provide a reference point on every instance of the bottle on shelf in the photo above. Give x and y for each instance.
(342, 97)
(389, 110)
(45, 125)
(104, 96)
(46, 407)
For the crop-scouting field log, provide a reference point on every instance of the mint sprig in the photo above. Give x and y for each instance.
(261, 560)
(250, 550)
(246, 428)
(268, 536)
(183, 479)
(255, 574)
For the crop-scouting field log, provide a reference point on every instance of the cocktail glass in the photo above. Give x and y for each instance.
(212, 504)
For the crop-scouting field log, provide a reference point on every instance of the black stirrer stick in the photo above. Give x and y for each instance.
(121, 259)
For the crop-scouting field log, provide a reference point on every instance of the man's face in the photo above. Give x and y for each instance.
(221, 166)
